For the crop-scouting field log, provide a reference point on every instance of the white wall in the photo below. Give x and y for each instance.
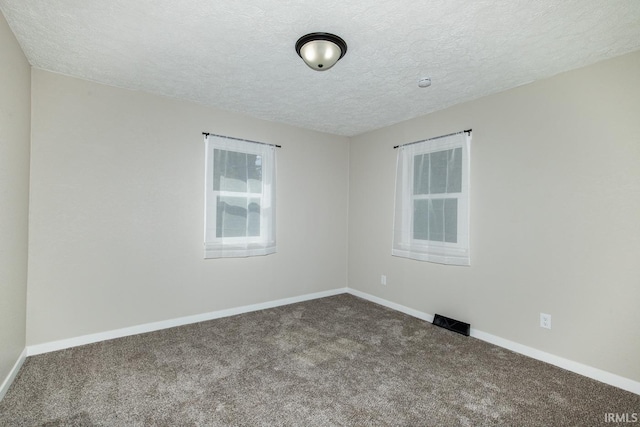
(15, 104)
(555, 210)
(116, 227)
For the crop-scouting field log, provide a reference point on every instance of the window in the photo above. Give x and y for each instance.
(431, 221)
(239, 198)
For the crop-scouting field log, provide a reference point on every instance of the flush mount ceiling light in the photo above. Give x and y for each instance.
(321, 51)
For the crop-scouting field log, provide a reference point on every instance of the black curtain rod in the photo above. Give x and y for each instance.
(240, 139)
(431, 139)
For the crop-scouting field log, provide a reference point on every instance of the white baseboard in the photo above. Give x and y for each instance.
(561, 362)
(392, 305)
(579, 368)
(12, 374)
(47, 347)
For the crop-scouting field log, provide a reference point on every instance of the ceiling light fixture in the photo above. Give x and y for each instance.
(321, 51)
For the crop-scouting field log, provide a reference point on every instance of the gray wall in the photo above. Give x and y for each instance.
(555, 216)
(15, 104)
(116, 226)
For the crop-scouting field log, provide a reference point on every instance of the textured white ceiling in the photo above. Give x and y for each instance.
(239, 55)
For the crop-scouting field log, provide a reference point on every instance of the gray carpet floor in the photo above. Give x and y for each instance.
(337, 361)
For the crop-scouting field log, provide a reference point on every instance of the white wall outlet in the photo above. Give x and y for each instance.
(383, 280)
(545, 320)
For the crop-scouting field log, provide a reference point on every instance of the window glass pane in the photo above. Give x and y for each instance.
(454, 171)
(253, 220)
(239, 172)
(436, 220)
(233, 215)
(219, 161)
(451, 220)
(254, 173)
(421, 219)
(438, 169)
(421, 174)
(229, 171)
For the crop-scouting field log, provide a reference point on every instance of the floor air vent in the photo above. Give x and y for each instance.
(452, 324)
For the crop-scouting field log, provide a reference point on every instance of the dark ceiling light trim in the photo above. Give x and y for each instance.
(321, 51)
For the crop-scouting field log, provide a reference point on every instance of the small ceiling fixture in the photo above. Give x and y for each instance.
(321, 51)
(424, 82)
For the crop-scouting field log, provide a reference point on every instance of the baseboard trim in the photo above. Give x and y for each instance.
(12, 374)
(578, 368)
(392, 305)
(47, 347)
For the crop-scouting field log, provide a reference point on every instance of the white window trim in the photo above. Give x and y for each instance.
(424, 250)
(226, 247)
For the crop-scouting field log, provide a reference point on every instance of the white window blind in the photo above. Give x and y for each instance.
(431, 220)
(240, 198)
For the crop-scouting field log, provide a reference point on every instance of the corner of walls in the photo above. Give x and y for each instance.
(13, 373)
(15, 124)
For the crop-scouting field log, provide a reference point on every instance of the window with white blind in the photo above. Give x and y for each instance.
(239, 198)
(431, 221)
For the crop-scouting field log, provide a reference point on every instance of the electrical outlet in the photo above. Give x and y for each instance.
(383, 280)
(545, 320)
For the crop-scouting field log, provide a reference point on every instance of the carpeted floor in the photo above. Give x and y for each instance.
(338, 361)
